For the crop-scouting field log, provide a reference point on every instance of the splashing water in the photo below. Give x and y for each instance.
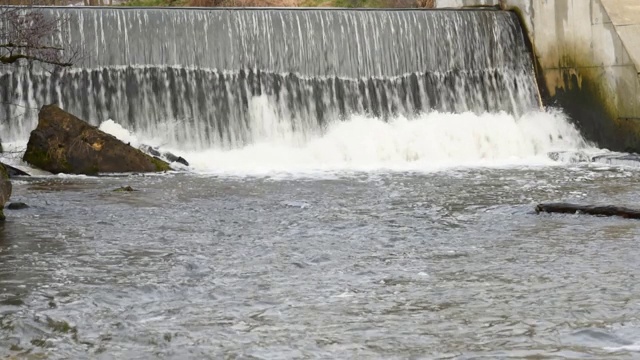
(428, 142)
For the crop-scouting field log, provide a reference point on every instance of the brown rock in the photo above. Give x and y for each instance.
(5, 189)
(62, 143)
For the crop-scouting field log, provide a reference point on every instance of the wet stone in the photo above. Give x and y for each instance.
(17, 206)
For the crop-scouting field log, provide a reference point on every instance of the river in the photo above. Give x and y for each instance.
(404, 262)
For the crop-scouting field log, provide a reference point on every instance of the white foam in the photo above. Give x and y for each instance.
(633, 348)
(117, 130)
(430, 142)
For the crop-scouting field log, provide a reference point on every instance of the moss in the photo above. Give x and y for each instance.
(43, 160)
(4, 174)
(15, 301)
(92, 170)
(36, 157)
(579, 87)
(6, 323)
(61, 326)
(124, 189)
(160, 165)
(39, 343)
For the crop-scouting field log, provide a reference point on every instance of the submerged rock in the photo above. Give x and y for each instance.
(173, 158)
(13, 172)
(5, 189)
(17, 206)
(125, 188)
(618, 159)
(169, 157)
(569, 156)
(62, 143)
(150, 150)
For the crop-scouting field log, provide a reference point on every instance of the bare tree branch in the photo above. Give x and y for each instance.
(13, 58)
(16, 46)
(32, 35)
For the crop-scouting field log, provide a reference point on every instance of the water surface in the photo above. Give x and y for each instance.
(447, 264)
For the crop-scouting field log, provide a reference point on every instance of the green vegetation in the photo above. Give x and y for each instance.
(39, 343)
(348, 3)
(14, 301)
(149, 3)
(61, 326)
(160, 165)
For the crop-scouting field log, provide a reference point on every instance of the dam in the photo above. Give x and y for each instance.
(196, 72)
(362, 184)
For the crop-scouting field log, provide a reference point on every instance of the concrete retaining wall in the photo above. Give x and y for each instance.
(588, 53)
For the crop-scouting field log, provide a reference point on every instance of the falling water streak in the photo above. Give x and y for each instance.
(188, 76)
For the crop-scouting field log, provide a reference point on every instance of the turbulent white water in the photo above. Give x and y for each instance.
(261, 91)
(428, 142)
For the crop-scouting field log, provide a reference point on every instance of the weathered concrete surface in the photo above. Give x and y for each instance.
(588, 53)
(588, 69)
(623, 12)
(625, 17)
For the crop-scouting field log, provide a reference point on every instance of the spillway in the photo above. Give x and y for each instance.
(205, 78)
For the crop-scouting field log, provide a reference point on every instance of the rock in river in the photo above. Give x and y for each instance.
(17, 206)
(62, 143)
(13, 171)
(167, 156)
(5, 189)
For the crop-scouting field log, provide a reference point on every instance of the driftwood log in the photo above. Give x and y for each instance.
(565, 208)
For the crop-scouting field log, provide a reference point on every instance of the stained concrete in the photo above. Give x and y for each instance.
(588, 54)
(625, 17)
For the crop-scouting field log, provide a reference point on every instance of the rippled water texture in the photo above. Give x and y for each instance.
(449, 264)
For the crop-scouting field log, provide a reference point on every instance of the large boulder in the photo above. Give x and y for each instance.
(62, 143)
(5, 189)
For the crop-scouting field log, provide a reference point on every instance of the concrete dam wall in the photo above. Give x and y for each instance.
(139, 71)
(204, 77)
(588, 54)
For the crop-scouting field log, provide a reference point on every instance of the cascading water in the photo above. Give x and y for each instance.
(226, 80)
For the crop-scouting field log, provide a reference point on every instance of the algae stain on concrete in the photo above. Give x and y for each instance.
(582, 89)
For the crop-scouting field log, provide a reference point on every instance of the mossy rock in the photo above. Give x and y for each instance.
(5, 189)
(17, 206)
(63, 143)
(61, 326)
(125, 189)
